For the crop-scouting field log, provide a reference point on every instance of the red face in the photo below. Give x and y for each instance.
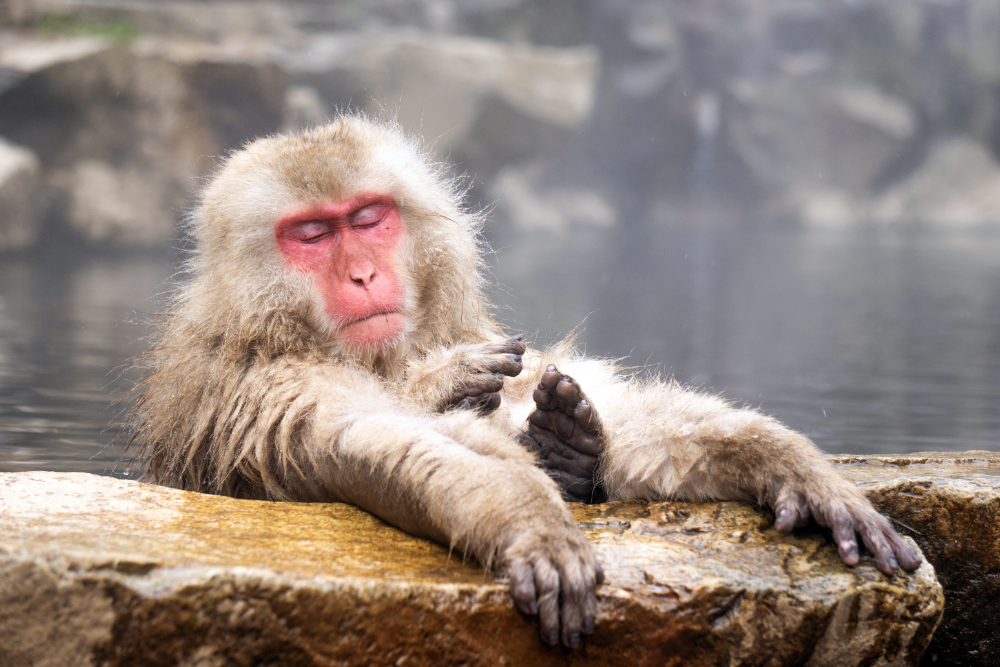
(349, 248)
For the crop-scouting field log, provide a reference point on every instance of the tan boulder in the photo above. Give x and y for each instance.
(101, 571)
(949, 503)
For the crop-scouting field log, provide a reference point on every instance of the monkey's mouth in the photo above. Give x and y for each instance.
(376, 331)
(380, 313)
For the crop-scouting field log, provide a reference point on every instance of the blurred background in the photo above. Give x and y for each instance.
(795, 203)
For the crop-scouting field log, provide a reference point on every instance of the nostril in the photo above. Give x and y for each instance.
(358, 281)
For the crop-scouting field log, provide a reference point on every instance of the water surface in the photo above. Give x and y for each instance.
(869, 341)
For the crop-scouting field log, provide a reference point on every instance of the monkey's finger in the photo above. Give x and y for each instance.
(488, 403)
(587, 444)
(905, 555)
(569, 393)
(590, 599)
(467, 403)
(885, 559)
(785, 515)
(590, 603)
(522, 588)
(550, 378)
(580, 465)
(547, 589)
(505, 364)
(562, 425)
(512, 345)
(790, 510)
(586, 416)
(528, 441)
(847, 543)
(575, 489)
(573, 596)
(477, 386)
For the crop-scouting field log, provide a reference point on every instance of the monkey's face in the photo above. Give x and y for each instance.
(348, 249)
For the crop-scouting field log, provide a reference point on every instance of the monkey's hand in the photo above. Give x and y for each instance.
(564, 431)
(553, 573)
(840, 506)
(467, 377)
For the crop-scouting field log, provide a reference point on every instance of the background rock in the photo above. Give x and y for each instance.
(816, 112)
(799, 134)
(109, 572)
(20, 182)
(124, 137)
(958, 184)
(950, 505)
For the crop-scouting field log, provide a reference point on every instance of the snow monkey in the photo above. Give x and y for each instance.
(332, 343)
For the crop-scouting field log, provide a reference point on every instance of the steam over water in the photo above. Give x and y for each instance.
(867, 340)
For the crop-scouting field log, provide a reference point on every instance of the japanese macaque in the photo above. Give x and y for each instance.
(332, 343)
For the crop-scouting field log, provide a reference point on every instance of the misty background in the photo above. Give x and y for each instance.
(794, 203)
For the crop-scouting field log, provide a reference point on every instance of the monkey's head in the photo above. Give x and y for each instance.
(346, 236)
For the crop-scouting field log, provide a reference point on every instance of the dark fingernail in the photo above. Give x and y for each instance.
(519, 337)
(574, 640)
(552, 638)
(852, 553)
(893, 563)
(588, 627)
(517, 358)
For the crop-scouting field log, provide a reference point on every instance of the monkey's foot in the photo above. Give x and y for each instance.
(565, 432)
(486, 367)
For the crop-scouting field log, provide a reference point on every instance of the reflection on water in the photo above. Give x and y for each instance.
(68, 326)
(869, 341)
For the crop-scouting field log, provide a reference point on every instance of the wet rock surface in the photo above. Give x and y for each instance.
(101, 571)
(949, 503)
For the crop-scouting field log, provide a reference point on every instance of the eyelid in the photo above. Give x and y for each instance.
(368, 216)
(309, 230)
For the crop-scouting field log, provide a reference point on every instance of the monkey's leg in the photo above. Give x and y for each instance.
(564, 432)
(670, 443)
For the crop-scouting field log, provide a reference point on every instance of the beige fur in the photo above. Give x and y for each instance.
(250, 394)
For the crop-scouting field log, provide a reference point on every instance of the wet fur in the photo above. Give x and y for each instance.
(248, 395)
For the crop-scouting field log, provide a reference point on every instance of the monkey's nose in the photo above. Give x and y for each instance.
(363, 278)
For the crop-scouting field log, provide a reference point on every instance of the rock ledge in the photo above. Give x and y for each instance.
(108, 572)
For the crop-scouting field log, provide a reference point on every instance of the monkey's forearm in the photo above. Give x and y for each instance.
(666, 442)
(416, 477)
(489, 501)
(699, 448)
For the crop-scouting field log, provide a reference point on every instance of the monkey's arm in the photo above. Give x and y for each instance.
(463, 377)
(452, 478)
(665, 442)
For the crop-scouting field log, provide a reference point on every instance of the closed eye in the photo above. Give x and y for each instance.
(368, 216)
(309, 231)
